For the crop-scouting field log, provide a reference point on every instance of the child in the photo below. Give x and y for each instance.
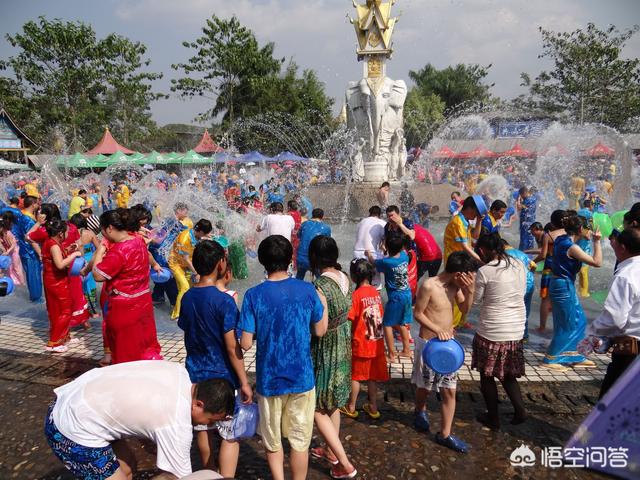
(55, 276)
(368, 363)
(9, 247)
(434, 313)
(397, 313)
(208, 318)
(284, 370)
(224, 280)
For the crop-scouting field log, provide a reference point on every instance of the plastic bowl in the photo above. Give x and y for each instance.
(162, 276)
(5, 262)
(443, 356)
(77, 265)
(480, 205)
(6, 286)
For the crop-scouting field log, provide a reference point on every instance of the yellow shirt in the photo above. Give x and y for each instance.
(184, 244)
(457, 234)
(187, 222)
(122, 197)
(77, 203)
(31, 190)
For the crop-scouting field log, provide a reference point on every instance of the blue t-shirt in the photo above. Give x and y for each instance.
(280, 314)
(206, 314)
(24, 224)
(396, 272)
(308, 231)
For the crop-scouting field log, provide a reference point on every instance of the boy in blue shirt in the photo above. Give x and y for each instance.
(308, 231)
(209, 318)
(397, 312)
(281, 313)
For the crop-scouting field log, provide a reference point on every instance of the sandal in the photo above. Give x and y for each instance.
(345, 411)
(367, 408)
(321, 453)
(452, 442)
(555, 366)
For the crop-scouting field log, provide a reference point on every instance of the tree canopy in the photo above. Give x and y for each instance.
(590, 81)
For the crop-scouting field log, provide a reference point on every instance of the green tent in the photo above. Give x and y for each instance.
(78, 160)
(154, 158)
(173, 157)
(100, 161)
(117, 157)
(193, 158)
(137, 158)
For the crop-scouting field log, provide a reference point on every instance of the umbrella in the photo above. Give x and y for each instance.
(288, 156)
(518, 152)
(478, 152)
(600, 150)
(444, 152)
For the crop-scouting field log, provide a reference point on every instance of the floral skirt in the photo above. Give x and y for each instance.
(498, 359)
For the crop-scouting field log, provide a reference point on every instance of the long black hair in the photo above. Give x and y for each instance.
(493, 248)
(323, 253)
(50, 211)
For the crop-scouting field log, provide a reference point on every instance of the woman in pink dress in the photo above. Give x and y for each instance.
(124, 269)
(9, 247)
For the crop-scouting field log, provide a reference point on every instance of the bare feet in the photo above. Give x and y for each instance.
(86, 325)
(105, 361)
(405, 354)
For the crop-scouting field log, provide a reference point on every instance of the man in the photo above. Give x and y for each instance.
(180, 259)
(153, 400)
(308, 231)
(429, 255)
(492, 222)
(31, 188)
(277, 223)
(383, 194)
(527, 204)
(620, 317)
(456, 203)
(122, 195)
(78, 202)
(458, 235)
(30, 251)
(369, 238)
(398, 223)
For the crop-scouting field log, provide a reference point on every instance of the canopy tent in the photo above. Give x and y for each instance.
(287, 156)
(77, 160)
(224, 157)
(154, 158)
(172, 157)
(518, 152)
(207, 145)
(108, 145)
(15, 167)
(478, 152)
(600, 150)
(117, 157)
(444, 152)
(193, 158)
(255, 157)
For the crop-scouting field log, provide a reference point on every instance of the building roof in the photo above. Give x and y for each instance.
(4, 115)
(108, 145)
(207, 145)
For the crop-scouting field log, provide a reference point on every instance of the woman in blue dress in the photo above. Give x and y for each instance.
(569, 321)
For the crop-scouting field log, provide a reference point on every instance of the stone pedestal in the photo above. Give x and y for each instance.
(375, 172)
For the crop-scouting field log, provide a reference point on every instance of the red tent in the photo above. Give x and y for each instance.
(518, 152)
(207, 145)
(108, 145)
(444, 152)
(600, 150)
(479, 152)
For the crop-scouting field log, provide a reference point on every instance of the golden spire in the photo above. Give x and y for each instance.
(374, 28)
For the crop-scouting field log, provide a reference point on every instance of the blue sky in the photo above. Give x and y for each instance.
(316, 34)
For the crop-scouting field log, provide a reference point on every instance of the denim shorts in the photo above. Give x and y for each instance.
(88, 463)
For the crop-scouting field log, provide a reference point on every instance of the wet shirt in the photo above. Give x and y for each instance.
(490, 225)
(184, 245)
(206, 315)
(308, 231)
(427, 247)
(529, 265)
(396, 272)
(25, 222)
(280, 314)
(563, 265)
(366, 317)
(456, 234)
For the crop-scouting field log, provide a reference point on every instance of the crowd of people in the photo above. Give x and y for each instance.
(316, 341)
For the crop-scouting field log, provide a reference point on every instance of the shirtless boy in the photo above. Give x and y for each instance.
(434, 312)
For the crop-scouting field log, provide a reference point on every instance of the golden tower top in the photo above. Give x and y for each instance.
(374, 28)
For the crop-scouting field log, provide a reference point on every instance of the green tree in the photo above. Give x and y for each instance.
(589, 82)
(455, 85)
(422, 115)
(67, 73)
(226, 60)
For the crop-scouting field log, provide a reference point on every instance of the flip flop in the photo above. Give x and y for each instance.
(349, 414)
(367, 408)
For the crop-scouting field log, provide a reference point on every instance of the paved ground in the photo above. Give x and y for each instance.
(388, 448)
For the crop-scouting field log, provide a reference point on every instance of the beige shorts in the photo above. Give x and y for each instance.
(289, 416)
(423, 377)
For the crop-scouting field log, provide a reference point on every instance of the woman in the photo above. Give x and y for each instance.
(55, 277)
(498, 350)
(130, 328)
(331, 354)
(9, 247)
(38, 234)
(569, 321)
(551, 231)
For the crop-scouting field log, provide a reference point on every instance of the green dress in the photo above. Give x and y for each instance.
(331, 353)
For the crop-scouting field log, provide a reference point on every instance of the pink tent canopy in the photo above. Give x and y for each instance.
(108, 145)
(479, 152)
(444, 152)
(600, 150)
(207, 145)
(518, 152)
